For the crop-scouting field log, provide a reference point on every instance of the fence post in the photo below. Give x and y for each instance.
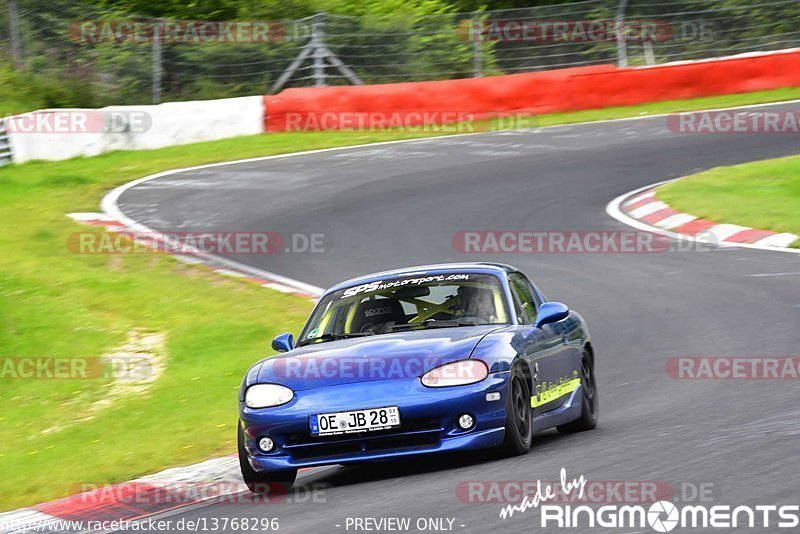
(649, 54)
(477, 50)
(13, 27)
(318, 46)
(622, 45)
(157, 58)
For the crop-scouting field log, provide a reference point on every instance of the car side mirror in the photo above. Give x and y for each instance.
(283, 342)
(551, 312)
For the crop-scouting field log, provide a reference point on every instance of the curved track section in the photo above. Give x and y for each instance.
(401, 204)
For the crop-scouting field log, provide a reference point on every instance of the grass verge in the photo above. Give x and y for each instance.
(58, 304)
(763, 195)
(673, 106)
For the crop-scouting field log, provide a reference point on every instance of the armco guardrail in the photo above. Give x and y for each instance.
(330, 108)
(67, 133)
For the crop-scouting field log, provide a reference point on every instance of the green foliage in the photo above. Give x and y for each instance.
(25, 90)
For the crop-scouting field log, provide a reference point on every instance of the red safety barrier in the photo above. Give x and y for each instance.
(417, 103)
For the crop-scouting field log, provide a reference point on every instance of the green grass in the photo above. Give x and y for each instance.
(763, 195)
(672, 106)
(55, 303)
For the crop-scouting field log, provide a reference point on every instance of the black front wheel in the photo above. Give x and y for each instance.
(519, 419)
(262, 482)
(590, 406)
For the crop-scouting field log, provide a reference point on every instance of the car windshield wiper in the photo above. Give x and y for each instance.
(332, 337)
(433, 323)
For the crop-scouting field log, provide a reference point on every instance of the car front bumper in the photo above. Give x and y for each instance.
(428, 423)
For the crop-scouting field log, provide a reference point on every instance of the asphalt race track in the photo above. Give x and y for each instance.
(400, 204)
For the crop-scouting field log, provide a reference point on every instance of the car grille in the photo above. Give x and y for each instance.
(412, 435)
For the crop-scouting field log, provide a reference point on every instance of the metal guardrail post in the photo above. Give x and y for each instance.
(157, 59)
(13, 29)
(318, 51)
(477, 50)
(649, 54)
(318, 46)
(622, 45)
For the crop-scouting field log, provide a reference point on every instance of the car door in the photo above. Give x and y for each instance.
(544, 348)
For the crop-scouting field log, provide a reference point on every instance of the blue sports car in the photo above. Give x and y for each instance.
(413, 361)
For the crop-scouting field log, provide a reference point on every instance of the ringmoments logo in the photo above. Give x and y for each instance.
(660, 516)
(664, 516)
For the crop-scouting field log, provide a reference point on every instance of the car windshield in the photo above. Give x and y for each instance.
(410, 302)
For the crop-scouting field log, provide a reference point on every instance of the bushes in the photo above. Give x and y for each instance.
(25, 91)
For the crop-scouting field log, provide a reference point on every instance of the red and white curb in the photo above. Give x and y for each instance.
(209, 482)
(168, 490)
(643, 210)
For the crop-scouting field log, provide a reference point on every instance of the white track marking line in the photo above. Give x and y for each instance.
(83, 217)
(661, 115)
(226, 272)
(27, 520)
(778, 240)
(279, 287)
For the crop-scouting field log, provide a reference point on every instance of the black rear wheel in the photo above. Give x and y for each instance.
(263, 482)
(590, 406)
(519, 419)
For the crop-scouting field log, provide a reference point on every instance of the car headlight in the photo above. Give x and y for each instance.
(458, 373)
(266, 395)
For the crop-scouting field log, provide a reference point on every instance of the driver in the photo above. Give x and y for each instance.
(477, 302)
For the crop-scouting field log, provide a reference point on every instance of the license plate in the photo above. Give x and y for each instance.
(328, 424)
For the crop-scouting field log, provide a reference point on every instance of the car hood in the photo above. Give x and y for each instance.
(379, 357)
